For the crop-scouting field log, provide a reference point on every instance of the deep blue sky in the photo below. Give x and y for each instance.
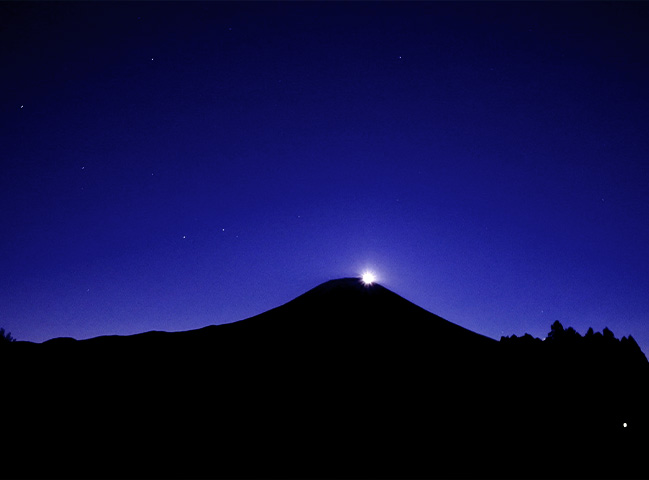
(173, 165)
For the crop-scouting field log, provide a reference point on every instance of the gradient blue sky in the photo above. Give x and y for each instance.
(172, 165)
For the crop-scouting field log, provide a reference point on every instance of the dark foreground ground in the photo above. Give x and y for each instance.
(345, 381)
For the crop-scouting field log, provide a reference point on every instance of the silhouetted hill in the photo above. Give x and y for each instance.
(346, 380)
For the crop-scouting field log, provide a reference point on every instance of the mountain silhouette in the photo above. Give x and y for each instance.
(346, 380)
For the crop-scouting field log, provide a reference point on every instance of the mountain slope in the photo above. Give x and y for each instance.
(349, 305)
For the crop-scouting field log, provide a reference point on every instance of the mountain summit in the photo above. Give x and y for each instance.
(346, 380)
(347, 307)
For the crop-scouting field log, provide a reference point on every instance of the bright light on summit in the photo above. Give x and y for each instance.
(368, 278)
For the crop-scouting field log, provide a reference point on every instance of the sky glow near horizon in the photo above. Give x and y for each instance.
(168, 166)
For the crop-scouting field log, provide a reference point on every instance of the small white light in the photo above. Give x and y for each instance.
(624, 424)
(368, 278)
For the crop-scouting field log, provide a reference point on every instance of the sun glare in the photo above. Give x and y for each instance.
(368, 278)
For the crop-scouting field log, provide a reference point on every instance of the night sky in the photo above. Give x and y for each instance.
(167, 166)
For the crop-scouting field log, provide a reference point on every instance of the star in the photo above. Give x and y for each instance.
(22, 106)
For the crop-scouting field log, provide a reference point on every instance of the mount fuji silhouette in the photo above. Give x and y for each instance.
(346, 380)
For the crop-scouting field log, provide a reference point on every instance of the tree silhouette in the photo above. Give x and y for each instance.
(5, 337)
(608, 335)
(572, 333)
(556, 331)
